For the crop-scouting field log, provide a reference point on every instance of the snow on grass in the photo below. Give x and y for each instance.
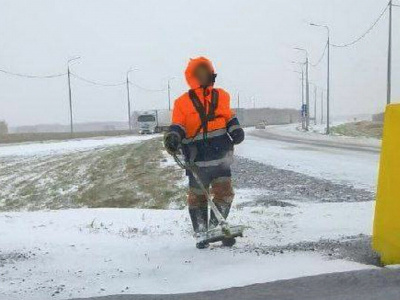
(359, 169)
(57, 147)
(318, 133)
(91, 252)
(123, 175)
(168, 162)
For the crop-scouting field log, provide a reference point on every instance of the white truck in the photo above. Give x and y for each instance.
(153, 121)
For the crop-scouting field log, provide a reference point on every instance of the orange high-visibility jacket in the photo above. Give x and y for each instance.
(185, 113)
(211, 143)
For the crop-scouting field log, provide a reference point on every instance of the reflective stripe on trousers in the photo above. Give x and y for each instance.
(227, 160)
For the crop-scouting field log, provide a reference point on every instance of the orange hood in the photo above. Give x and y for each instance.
(192, 65)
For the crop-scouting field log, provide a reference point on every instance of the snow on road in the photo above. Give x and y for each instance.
(359, 169)
(91, 252)
(62, 147)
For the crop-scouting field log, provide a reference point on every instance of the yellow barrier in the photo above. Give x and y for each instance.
(386, 236)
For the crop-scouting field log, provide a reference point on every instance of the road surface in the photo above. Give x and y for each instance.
(355, 164)
(358, 145)
(359, 285)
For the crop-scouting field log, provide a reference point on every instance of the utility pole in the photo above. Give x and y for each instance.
(238, 101)
(70, 95)
(302, 88)
(322, 107)
(307, 88)
(328, 45)
(169, 96)
(169, 92)
(302, 94)
(315, 105)
(315, 102)
(129, 101)
(303, 120)
(128, 90)
(389, 66)
(328, 85)
(71, 120)
(307, 95)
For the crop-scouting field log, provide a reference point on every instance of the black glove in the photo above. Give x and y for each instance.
(171, 142)
(235, 131)
(237, 136)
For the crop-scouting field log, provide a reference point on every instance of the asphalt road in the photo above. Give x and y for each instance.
(267, 134)
(382, 284)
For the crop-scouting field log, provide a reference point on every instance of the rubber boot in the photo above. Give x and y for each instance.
(199, 217)
(224, 209)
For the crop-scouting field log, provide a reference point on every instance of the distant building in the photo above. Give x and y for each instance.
(78, 127)
(3, 128)
(267, 116)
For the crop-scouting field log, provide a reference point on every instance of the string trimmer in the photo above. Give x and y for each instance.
(223, 230)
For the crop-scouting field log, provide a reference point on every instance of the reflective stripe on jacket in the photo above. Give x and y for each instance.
(214, 147)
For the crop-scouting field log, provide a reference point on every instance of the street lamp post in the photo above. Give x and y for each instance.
(315, 101)
(327, 76)
(302, 94)
(129, 97)
(169, 96)
(322, 107)
(307, 89)
(389, 64)
(315, 105)
(238, 101)
(253, 100)
(169, 92)
(70, 95)
(129, 102)
(328, 88)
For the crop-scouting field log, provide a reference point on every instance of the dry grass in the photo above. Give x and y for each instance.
(362, 128)
(118, 176)
(49, 136)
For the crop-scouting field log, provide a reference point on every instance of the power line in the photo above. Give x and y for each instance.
(147, 89)
(90, 81)
(33, 76)
(322, 56)
(116, 84)
(365, 34)
(97, 82)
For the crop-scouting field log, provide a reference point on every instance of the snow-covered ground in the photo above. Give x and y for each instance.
(62, 147)
(90, 252)
(317, 133)
(339, 165)
(75, 174)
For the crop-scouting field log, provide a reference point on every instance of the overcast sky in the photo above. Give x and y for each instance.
(249, 41)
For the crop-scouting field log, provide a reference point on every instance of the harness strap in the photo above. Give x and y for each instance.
(202, 110)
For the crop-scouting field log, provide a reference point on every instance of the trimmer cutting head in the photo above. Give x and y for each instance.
(219, 233)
